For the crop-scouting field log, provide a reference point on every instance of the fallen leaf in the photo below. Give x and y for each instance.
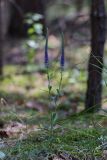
(14, 128)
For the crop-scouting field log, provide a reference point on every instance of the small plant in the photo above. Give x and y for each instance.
(35, 32)
(54, 98)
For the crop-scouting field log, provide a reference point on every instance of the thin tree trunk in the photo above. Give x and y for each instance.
(95, 67)
(1, 39)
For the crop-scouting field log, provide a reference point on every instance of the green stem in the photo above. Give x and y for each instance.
(60, 82)
(49, 93)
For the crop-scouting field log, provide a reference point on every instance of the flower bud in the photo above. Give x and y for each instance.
(46, 60)
(62, 59)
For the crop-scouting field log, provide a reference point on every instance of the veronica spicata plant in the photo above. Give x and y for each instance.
(55, 98)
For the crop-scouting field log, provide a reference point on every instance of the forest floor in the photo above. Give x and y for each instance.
(25, 113)
(25, 110)
(25, 135)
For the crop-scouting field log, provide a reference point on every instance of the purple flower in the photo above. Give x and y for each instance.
(62, 59)
(46, 60)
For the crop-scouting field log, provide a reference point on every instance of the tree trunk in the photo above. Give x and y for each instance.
(0, 40)
(4, 23)
(1, 36)
(95, 67)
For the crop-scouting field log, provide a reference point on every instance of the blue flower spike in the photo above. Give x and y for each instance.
(62, 59)
(46, 60)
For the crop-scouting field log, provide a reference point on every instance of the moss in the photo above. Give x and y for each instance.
(78, 141)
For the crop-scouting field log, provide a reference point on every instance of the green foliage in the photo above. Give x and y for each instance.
(33, 21)
(35, 32)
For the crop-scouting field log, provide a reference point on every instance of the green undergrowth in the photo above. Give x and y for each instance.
(83, 136)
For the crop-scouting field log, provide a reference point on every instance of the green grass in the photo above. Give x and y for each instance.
(76, 135)
(80, 135)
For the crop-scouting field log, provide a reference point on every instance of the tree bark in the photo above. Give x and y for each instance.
(95, 67)
(1, 37)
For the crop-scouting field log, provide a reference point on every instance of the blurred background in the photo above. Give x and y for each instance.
(23, 26)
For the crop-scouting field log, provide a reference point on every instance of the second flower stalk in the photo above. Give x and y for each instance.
(53, 115)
